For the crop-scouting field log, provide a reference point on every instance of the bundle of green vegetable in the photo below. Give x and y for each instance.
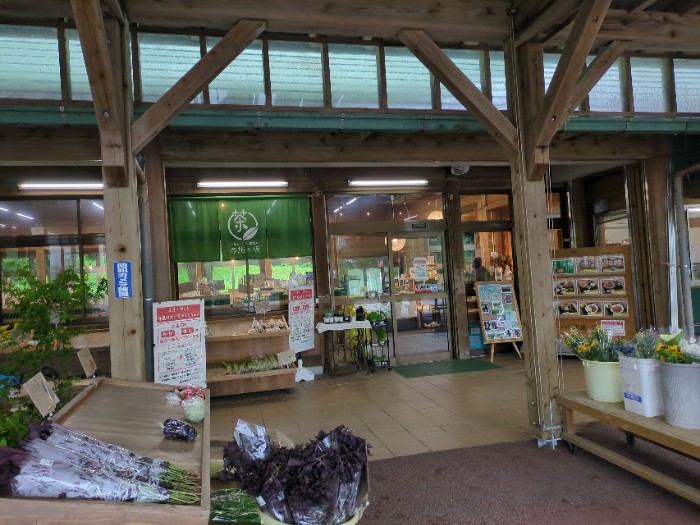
(253, 365)
(55, 462)
(233, 506)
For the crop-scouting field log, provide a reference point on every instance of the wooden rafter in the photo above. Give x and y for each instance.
(641, 7)
(460, 86)
(114, 8)
(590, 77)
(551, 15)
(103, 86)
(177, 97)
(692, 10)
(585, 29)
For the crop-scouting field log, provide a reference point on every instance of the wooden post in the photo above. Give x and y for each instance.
(456, 257)
(531, 241)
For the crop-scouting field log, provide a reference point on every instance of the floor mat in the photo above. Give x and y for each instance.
(450, 366)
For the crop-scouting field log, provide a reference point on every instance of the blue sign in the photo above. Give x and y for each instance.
(122, 280)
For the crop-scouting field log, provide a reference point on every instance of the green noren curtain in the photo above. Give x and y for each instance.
(289, 228)
(242, 225)
(194, 230)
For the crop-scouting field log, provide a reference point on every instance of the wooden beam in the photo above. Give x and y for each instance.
(114, 9)
(691, 10)
(585, 28)
(209, 66)
(593, 73)
(555, 15)
(460, 86)
(103, 86)
(641, 7)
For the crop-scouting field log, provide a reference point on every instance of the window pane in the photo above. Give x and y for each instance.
(469, 62)
(29, 62)
(92, 216)
(606, 95)
(495, 207)
(164, 61)
(362, 208)
(687, 74)
(243, 80)
(498, 80)
(94, 270)
(353, 71)
(49, 217)
(359, 264)
(649, 84)
(407, 80)
(550, 66)
(296, 74)
(79, 84)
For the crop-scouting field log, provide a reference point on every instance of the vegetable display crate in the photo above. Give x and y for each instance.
(128, 414)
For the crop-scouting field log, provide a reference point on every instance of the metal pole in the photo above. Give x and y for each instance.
(147, 277)
(683, 254)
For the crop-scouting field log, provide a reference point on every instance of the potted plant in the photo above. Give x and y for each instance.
(680, 380)
(328, 316)
(599, 357)
(377, 320)
(41, 339)
(641, 376)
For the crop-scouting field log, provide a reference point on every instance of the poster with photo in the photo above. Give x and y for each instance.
(612, 263)
(498, 312)
(613, 286)
(590, 308)
(588, 286)
(563, 266)
(615, 308)
(566, 307)
(564, 287)
(587, 264)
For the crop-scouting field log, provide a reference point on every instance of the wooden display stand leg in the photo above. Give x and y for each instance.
(517, 350)
(493, 349)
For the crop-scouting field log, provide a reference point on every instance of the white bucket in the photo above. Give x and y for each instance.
(641, 383)
(681, 388)
(603, 380)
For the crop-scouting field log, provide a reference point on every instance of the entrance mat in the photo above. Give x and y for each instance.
(451, 366)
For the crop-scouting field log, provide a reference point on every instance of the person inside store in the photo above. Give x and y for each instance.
(480, 272)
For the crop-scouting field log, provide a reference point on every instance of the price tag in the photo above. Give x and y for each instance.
(41, 394)
(87, 361)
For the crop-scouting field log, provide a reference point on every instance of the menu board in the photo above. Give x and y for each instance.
(498, 312)
(592, 286)
(301, 318)
(178, 343)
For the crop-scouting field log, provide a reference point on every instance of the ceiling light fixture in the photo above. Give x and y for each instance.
(96, 205)
(24, 216)
(398, 182)
(242, 184)
(61, 186)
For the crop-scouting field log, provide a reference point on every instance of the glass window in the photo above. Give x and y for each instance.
(488, 256)
(243, 80)
(408, 82)
(29, 63)
(687, 75)
(92, 216)
(550, 62)
(79, 83)
(239, 286)
(359, 265)
(499, 95)
(469, 62)
(296, 74)
(649, 84)
(418, 265)
(362, 208)
(38, 217)
(606, 95)
(164, 60)
(488, 207)
(354, 77)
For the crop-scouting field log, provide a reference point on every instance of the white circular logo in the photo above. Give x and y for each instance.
(242, 225)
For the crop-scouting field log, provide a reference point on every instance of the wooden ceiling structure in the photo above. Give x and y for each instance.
(527, 138)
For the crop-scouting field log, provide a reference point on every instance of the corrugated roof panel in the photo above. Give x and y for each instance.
(243, 81)
(606, 95)
(469, 63)
(407, 80)
(499, 95)
(79, 84)
(296, 74)
(686, 72)
(29, 63)
(354, 77)
(649, 84)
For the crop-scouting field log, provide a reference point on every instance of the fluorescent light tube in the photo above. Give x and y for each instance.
(61, 186)
(242, 184)
(24, 216)
(398, 182)
(96, 205)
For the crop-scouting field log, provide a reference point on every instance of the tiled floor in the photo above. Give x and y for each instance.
(399, 416)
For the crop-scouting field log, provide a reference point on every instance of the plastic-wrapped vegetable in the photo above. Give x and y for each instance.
(177, 429)
(195, 409)
(233, 506)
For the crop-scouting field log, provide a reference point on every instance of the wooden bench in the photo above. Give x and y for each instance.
(653, 429)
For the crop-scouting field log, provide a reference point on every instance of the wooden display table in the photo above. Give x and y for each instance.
(653, 429)
(128, 414)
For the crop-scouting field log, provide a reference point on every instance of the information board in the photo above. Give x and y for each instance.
(498, 312)
(301, 318)
(179, 348)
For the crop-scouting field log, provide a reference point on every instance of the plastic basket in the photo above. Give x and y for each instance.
(641, 381)
(603, 380)
(681, 390)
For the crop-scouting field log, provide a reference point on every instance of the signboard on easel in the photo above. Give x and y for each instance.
(498, 313)
(178, 343)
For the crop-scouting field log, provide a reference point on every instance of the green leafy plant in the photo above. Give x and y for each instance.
(377, 321)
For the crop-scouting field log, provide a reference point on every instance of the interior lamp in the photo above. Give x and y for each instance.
(435, 215)
(397, 244)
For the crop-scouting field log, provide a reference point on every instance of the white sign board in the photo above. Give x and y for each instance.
(41, 394)
(420, 268)
(179, 354)
(301, 318)
(613, 327)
